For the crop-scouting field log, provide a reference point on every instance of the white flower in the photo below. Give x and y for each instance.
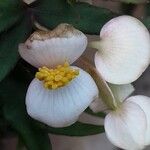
(123, 50)
(59, 93)
(127, 124)
(61, 107)
(128, 127)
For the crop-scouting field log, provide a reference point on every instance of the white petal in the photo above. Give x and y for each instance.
(124, 50)
(144, 103)
(121, 92)
(53, 48)
(61, 107)
(90, 119)
(126, 127)
(29, 1)
(98, 105)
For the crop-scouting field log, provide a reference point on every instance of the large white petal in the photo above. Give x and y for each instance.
(144, 103)
(61, 107)
(126, 127)
(124, 50)
(53, 48)
(121, 92)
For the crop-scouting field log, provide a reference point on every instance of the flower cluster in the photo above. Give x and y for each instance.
(60, 92)
(123, 55)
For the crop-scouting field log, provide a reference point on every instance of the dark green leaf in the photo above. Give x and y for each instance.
(12, 92)
(77, 129)
(83, 16)
(146, 20)
(9, 46)
(10, 13)
(8, 20)
(10, 4)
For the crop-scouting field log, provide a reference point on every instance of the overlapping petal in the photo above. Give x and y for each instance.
(52, 48)
(61, 107)
(126, 127)
(144, 104)
(121, 92)
(118, 93)
(123, 50)
(109, 93)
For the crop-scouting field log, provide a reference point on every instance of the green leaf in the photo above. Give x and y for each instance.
(10, 13)
(83, 16)
(8, 20)
(77, 129)
(9, 5)
(9, 46)
(12, 92)
(146, 20)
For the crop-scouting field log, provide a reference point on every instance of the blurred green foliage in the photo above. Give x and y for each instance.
(17, 23)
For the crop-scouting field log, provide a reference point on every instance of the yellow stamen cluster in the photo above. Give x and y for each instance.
(56, 78)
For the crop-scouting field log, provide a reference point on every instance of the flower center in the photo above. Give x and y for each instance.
(56, 78)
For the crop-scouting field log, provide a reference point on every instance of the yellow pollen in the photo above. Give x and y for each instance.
(56, 78)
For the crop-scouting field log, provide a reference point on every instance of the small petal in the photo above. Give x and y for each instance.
(144, 103)
(126, 127)
(90, 119)
(52, 48)
(98, 105)
(61, 107)
(123, 51)
(29, 1)
(121, 92)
